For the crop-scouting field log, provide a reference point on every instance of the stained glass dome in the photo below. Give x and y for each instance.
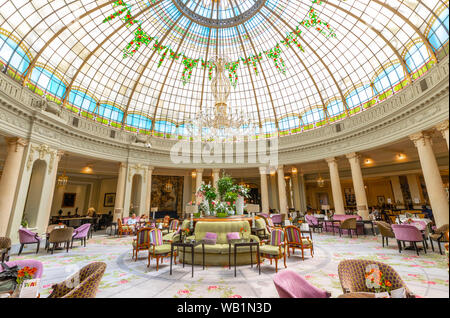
(293, 65)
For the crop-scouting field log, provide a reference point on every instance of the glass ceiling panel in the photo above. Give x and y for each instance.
(294, 65)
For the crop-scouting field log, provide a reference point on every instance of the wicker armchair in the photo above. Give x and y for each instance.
(89, 280)
(5, 247)
(439, 236)
(352, 276)
(385, 231)
(349, 225)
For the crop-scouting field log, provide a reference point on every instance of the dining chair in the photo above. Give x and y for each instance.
(289, 284)
(123, 229)
(408, 233)
(385, 231)
(349, 225)
(439, 236)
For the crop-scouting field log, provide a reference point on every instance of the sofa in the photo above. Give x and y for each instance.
(218, 254)
(342, 218)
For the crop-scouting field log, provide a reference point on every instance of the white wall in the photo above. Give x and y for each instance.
(106, 186)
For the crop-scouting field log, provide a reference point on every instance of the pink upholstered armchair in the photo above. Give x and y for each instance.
(291, 285)
(81, 233)
(28, 262)
(313, 222)
(408, 233)
(28, 237)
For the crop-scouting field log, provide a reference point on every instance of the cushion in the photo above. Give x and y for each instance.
(233, 236)
(210, 238)
(162, 249)
(269, 249)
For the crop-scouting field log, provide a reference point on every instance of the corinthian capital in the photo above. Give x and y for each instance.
(353, 155)
(17, 142)
(420, 138)
(442, 126)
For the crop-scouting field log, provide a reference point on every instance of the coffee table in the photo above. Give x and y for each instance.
(242, 243)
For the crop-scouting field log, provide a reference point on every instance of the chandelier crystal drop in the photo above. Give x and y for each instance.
(62, 180)
(221, 122)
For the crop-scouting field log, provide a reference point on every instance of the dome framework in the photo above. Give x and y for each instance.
(295, 65)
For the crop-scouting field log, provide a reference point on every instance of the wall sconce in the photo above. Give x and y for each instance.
(368, 161)
(194, 174)
(88, 169)
(401, 156)
(294, 170)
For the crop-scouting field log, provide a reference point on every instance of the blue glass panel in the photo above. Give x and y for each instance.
(290, 122)
(359, 96)
(313, 116)
(388, 78)
(438, 35)
(19, 60)
(416, 57)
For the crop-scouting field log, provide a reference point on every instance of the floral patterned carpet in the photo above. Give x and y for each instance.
(426, 275)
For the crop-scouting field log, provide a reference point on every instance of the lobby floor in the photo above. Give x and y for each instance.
(426, 275)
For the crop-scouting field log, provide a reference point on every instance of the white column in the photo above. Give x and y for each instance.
(443, 129)
(288, 180)
(433, 179)
(44, 214)
(198, 181)
(282, 191)
(302, 186)
(264, 190)
(296, 188)
(358, 185)
(336, 188)
(120, 190)
(9, 180)
(273, 190)
(216, 177)
(397, 190)
(414, 189)
(148, 198)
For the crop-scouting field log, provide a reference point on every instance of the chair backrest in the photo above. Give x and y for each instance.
(28, 262)
(442, 229)
(5, 242)
(407, 232)
(143, 237)
(352, 275)
(82, 230)
(174, 224)
(61, 235)
(311, 219)
(270, 222)
(26, 236)
(156, 237)
(276, 218)
(385, 228)
(349, 223)
(90, 277)
(289, 284)
(276, 237)
(293, 234)
(51, 227)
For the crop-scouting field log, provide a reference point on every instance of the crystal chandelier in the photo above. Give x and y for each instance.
(221, 122)
(62, 180)
(168, 187)
(320, 181)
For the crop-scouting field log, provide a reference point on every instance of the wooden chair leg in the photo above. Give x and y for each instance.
(432, 246)
(424, 246)
(387, 241)
(285, 266)
(157, 263)
(276, 265)
(440, 248)
(382, 240)
(148, 264)
(303, 255)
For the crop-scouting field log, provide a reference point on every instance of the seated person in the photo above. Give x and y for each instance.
(132, 220)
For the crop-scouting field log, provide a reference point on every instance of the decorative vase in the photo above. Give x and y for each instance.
(240, 205)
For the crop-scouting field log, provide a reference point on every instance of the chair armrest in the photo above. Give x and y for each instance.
(255, 238)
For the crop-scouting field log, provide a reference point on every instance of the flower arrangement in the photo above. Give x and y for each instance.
(375, 279)
(242, 231)
(25, 273)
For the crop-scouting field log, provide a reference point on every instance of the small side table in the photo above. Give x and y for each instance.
(240, 243)
(190, 245)
(364, 222)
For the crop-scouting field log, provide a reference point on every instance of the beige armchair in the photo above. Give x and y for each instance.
(439, 236)
(59, 236)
